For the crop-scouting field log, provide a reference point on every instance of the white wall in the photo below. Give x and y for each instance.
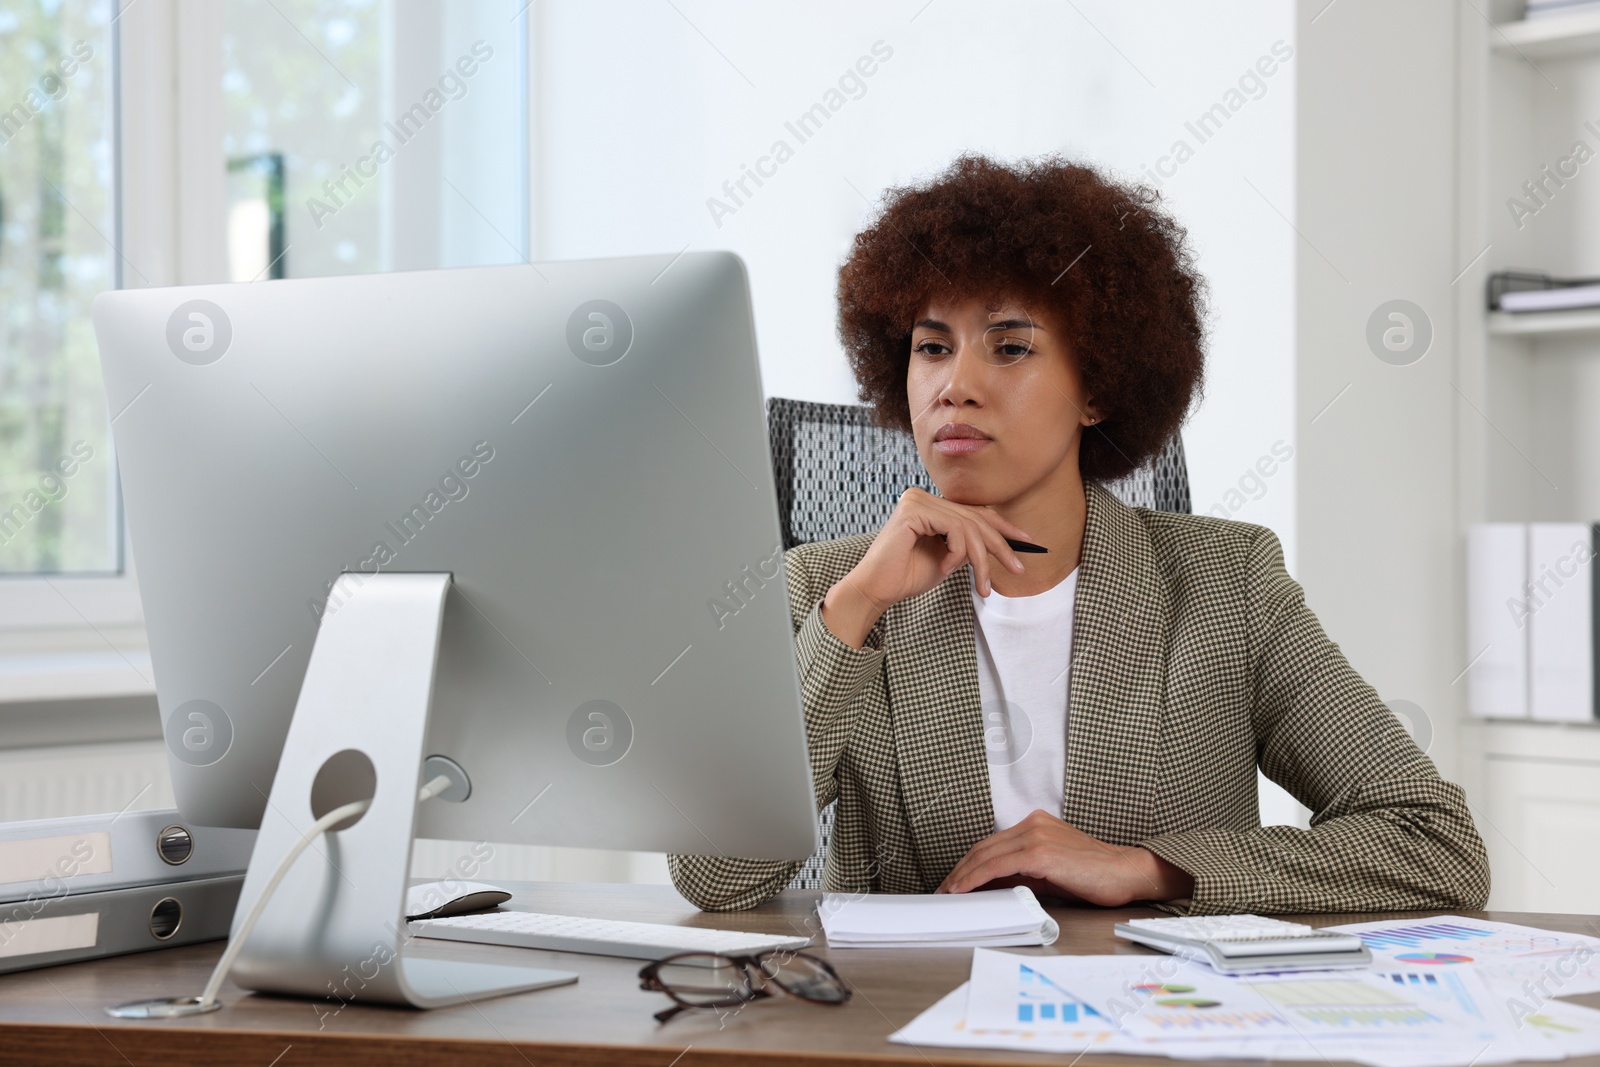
(1380, 551)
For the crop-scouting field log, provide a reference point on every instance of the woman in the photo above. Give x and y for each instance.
(1038, 330)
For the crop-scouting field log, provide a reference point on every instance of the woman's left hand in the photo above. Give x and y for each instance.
(1054, 858)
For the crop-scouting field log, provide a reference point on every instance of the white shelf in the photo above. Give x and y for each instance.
(1505, 323)
(1548, 38)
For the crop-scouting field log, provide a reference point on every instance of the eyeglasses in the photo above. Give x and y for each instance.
(709, 980)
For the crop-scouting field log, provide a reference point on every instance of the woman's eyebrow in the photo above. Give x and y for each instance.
(1014, 324)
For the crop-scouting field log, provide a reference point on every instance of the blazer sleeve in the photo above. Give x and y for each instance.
(832, 676)
(1387, 833)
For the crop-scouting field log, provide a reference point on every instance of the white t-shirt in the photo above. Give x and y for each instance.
(1024, 647)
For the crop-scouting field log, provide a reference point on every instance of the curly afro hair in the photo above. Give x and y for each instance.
(1049, 234)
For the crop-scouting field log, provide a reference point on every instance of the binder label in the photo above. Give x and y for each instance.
(58, 933)
(55, 857)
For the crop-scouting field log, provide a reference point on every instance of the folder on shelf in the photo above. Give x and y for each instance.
(1541, 9)
(1561, 623)
(1529, 291)
(1533, 635)
(1497, 648)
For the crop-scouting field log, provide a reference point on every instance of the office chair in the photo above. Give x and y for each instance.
(838, 474)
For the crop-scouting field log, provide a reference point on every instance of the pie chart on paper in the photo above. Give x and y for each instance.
(1431, 958)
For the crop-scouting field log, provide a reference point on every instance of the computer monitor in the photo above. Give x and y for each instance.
(580, 447)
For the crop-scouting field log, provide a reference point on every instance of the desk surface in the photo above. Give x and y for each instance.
(56, 1015)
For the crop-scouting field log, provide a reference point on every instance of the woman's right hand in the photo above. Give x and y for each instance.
(908, 557)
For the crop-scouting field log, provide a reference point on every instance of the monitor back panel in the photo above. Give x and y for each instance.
(581, 444)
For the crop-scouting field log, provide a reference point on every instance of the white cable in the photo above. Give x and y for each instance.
(318, 828)
(434, 788)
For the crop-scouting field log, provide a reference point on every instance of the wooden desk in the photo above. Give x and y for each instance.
(56, 1016)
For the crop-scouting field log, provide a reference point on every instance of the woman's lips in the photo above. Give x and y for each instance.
(961, 446)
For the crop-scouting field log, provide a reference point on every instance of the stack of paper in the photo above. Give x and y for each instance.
(993, 917)
(1442, 991)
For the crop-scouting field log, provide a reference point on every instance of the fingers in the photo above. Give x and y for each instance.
(971, 533)
(922, 502)
(999, 840)
(971, 539)
(996, 545)
(1018, 859)
(955, 539)
(1075, 873)
(976, 552)
(993, 530)
(1010, 528)
(1038, 832)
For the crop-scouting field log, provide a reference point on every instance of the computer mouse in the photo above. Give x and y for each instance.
(438, 900)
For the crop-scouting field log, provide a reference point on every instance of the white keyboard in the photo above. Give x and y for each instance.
(600, 937)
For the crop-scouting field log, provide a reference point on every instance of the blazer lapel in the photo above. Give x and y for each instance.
(1118, 682)
(931, 660)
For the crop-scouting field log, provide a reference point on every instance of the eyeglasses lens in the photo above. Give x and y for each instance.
(804, 977)
(705, 979)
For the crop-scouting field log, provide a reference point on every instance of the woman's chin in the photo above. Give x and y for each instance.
(973, 496)
(969, 491)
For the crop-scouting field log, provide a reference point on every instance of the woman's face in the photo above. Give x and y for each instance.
(1005, 373)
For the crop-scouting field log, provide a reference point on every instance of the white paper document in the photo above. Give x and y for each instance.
(1416, 1016)
(990, 917)
(1555, 964)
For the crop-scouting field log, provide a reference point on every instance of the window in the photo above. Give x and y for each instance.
(372, 135)
(58, 500)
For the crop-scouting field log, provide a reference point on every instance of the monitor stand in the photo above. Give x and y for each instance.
(335, 929)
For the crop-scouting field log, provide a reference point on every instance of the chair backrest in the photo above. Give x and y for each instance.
(838, 474)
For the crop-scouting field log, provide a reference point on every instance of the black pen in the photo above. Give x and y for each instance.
(1020, 546)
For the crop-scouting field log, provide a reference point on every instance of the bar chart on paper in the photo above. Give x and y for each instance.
(1502, 951)
(1414, 937)
(1040, 1000)
(1438, 987)
(1029, 995)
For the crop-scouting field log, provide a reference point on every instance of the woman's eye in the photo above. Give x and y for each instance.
(1011, 350)
(932, 348)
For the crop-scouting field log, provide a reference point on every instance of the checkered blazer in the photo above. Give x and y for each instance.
(1194, 661)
